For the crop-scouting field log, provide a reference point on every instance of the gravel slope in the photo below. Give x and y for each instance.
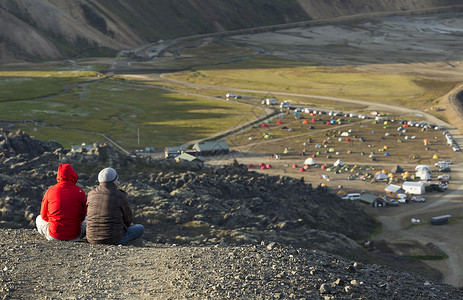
(33, 268)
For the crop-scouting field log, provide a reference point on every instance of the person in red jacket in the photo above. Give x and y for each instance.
(64, 208)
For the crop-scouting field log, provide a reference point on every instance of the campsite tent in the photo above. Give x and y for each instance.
(338, 163)
(381, 176)
(310, 161)
(397, 169)
(421, 167)
(405, 175)
(423, 172)
(424, 176)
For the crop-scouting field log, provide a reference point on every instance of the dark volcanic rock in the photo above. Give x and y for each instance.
(19, 143)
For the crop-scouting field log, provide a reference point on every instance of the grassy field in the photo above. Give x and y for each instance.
(343, 82)
(72, 109)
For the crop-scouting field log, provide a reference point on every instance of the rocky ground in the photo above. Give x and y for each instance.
(35, 269)
(210, 233)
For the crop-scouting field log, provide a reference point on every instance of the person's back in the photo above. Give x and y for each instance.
(63, 208)
(109, 213)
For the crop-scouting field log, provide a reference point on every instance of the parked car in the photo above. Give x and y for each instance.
(402, 198)
(444, 177)
(435, 187)
(444, 185)
(285, 104)
(392, 202)
(445, 169)
(417, 199)
(441, 163)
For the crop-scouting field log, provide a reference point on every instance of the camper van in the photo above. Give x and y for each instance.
(351, 196)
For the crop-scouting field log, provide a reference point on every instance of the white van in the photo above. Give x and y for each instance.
(351, 196)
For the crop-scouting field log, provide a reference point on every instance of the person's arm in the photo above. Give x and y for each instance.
(44, 207)
(84, 207)
(126, 210)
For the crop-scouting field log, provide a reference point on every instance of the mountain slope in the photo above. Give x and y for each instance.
(51, 29)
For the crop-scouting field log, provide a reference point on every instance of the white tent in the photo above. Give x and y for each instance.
(425, 176)
(345, 133)
(338, 163)
(310, 161)
(381, 176)
(418, 168)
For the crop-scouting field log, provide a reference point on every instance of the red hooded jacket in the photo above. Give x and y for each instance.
(64, 205)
